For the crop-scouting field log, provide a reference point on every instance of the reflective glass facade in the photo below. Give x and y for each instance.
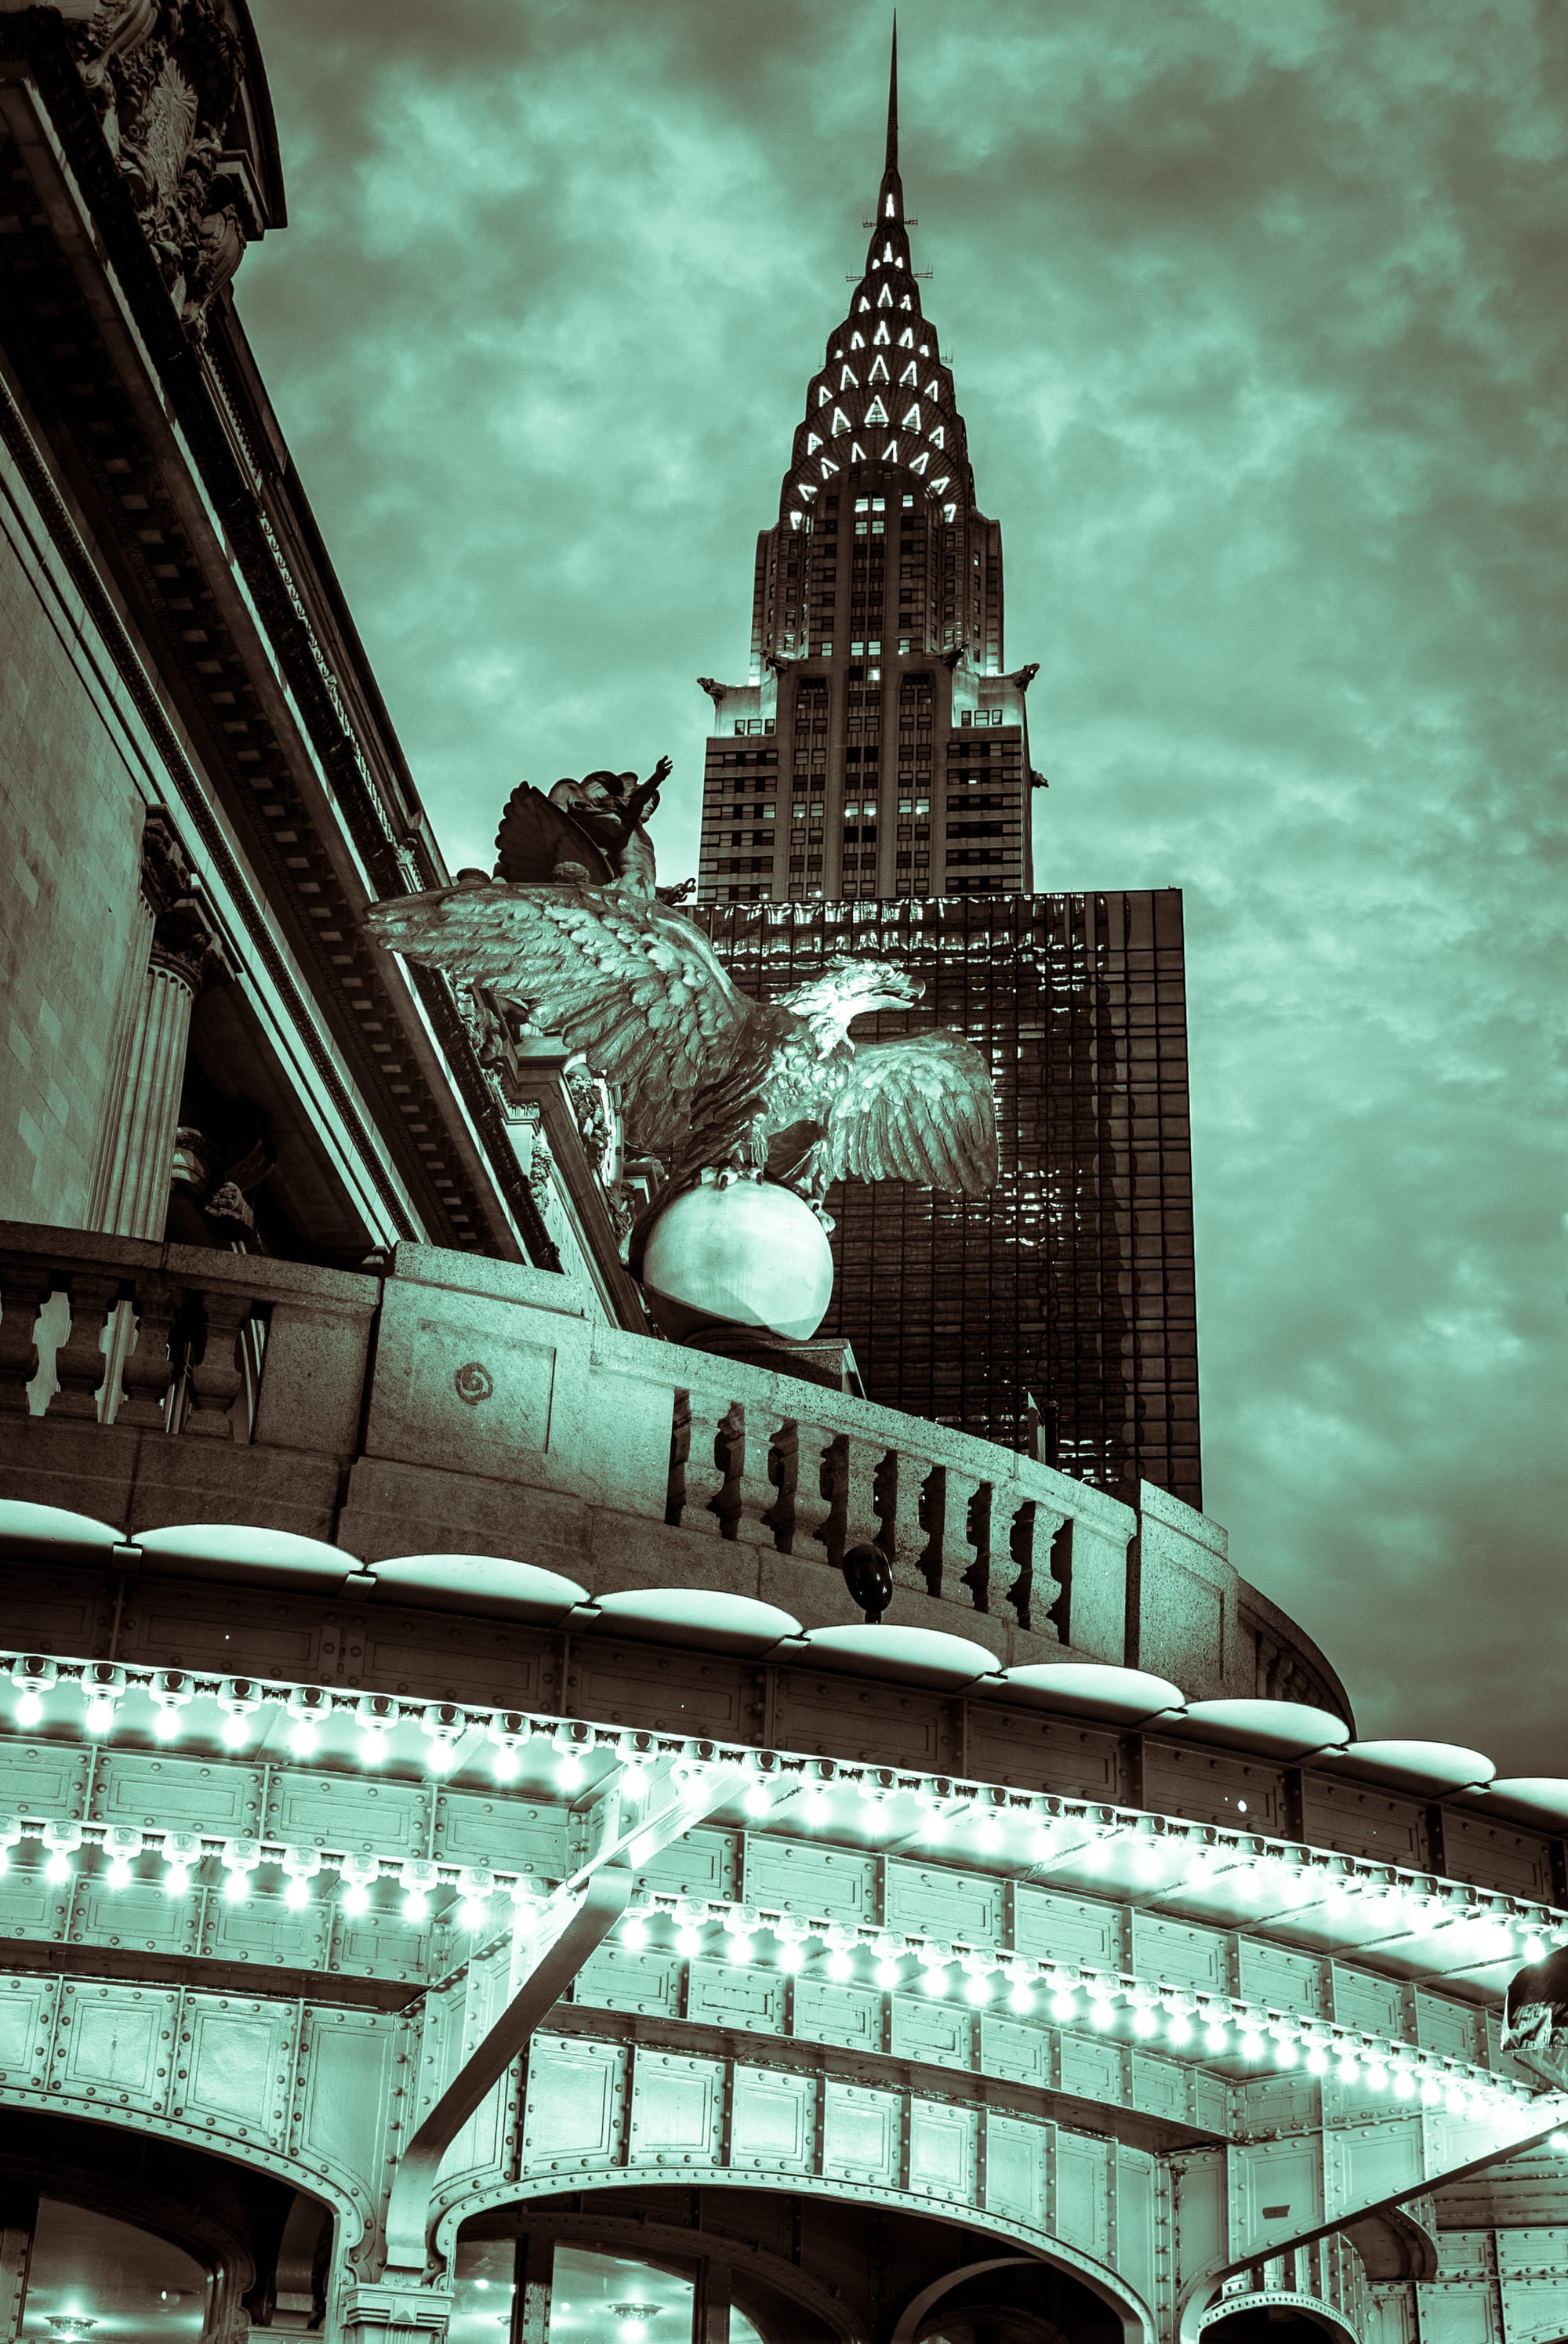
(1072, 1284)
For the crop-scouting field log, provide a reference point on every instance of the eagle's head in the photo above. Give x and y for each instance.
(850, 986)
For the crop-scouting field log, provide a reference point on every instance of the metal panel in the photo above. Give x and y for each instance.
(1083, 2193)
(157, 1794)
(772, 2121)
(1136, 2201)
(1180, 1955)
(573, 2104)
(1374, 2005)
(1092, 2070)
(342, 2106)
(435, 1657)
(860, 2134)
(850, 1718)
(677, 2109)
(310, 1810)
(1018, 2159)
(616, 1978)
(144, 1916)
(1212, 1787)
(848, 2016)
(962, 1906)
(1022, 2053)
(187, 1623)
(234, 2066)
(26, 2030)
(943, 2140)
(703, 1864)
(31, 1906)
(665, 1691)
(513, 1833)
(936, 2032)
(1444, 2027)
(1068, 1928)
(1287, 1981)
(1356, 1819)
(720, 1994)
(811, 1882)
(42, 1778)
(1276, 2192)
(1159, 2087)
(1010, 1745)
(264, 1929)
(116, 2043)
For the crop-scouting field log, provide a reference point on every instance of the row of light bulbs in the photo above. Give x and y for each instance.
(1171, 2015)
(120, 1847)
(1031, 1828)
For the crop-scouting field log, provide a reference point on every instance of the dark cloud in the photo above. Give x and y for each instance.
(1258, 315)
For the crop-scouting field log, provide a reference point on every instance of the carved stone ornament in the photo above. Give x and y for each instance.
(165, 76)
(185, 936)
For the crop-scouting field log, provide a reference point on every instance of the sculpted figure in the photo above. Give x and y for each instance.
(707, 1079)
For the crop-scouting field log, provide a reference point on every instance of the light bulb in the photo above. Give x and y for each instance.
(740, 1945)
(791, 1955)
(1559, 2141)
(29, 1708)
(887, 1972)
(634, 1782)
(355, 1899)
(1251, 2043)
(1102, 2011)
(1346, 2071)
(166, 1723)
(236, 1887)
(1404, 2084)
(1064, 2006)
(416, 1906)
(297, 1896)
(473, 1912)
(506, 1763)
(817, 1806)
(1216, 2035)
(839, 1964)
(234, 1731)
(990, 1833)
(302, 1738)
(935, 1980)
(100, 1714)
(568, 1770)
(1286, 2051)
(1021, 1998)
(58, 1868)
(118, 1874)
(176, 1880)
(441, 1756)
(372, 1749)
(978, 1989)
(1534, 1948)
(1178, 2027)
(758, 1799)
(688, 1940)
(1377, 2075)
(1144, 2021)
(1317, 2060)
(634, 1932)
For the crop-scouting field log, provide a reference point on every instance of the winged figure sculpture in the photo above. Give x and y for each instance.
(706, 1077)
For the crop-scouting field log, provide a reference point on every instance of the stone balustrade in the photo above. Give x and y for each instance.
(449, 1405)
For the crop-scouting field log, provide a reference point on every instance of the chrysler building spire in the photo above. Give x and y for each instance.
(882, 716)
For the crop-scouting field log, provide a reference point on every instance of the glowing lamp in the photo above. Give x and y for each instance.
(33, 1678)
(170, 1689)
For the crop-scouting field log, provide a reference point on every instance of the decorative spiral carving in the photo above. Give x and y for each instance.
(473, 1382)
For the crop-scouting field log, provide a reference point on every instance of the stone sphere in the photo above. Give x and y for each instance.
(751, 1255)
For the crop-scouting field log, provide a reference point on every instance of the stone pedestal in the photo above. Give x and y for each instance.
(825, 1360)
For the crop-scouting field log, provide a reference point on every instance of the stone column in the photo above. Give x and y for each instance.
(395, 2311)
(131, 1190)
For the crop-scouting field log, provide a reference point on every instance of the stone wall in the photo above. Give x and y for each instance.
(71, 817)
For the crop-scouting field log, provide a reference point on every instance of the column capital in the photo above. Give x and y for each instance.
(185, 937)
(393, 2313)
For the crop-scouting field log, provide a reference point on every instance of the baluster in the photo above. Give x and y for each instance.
(784, 1474)
(977, 1531)
(931, 1508)
(25, 1292)
(730, 1462)
(1021, 1532)
(833, 1484)
(148, 1367)
(79, 1366)
(710, 1467)
(753, 1492)
(216, 1379)
(680, 1454)
(901, 1529)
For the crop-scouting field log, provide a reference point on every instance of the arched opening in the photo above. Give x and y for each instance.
(755, 2266)
(1273, 2323)
(113, 2236)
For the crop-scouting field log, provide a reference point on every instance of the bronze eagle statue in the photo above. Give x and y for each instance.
(706, 1077)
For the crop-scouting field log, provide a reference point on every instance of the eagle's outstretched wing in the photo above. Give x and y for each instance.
(535, 835)
(634, 985)
(918, 1107)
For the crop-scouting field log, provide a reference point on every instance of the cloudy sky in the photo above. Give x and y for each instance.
(1258, 318)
